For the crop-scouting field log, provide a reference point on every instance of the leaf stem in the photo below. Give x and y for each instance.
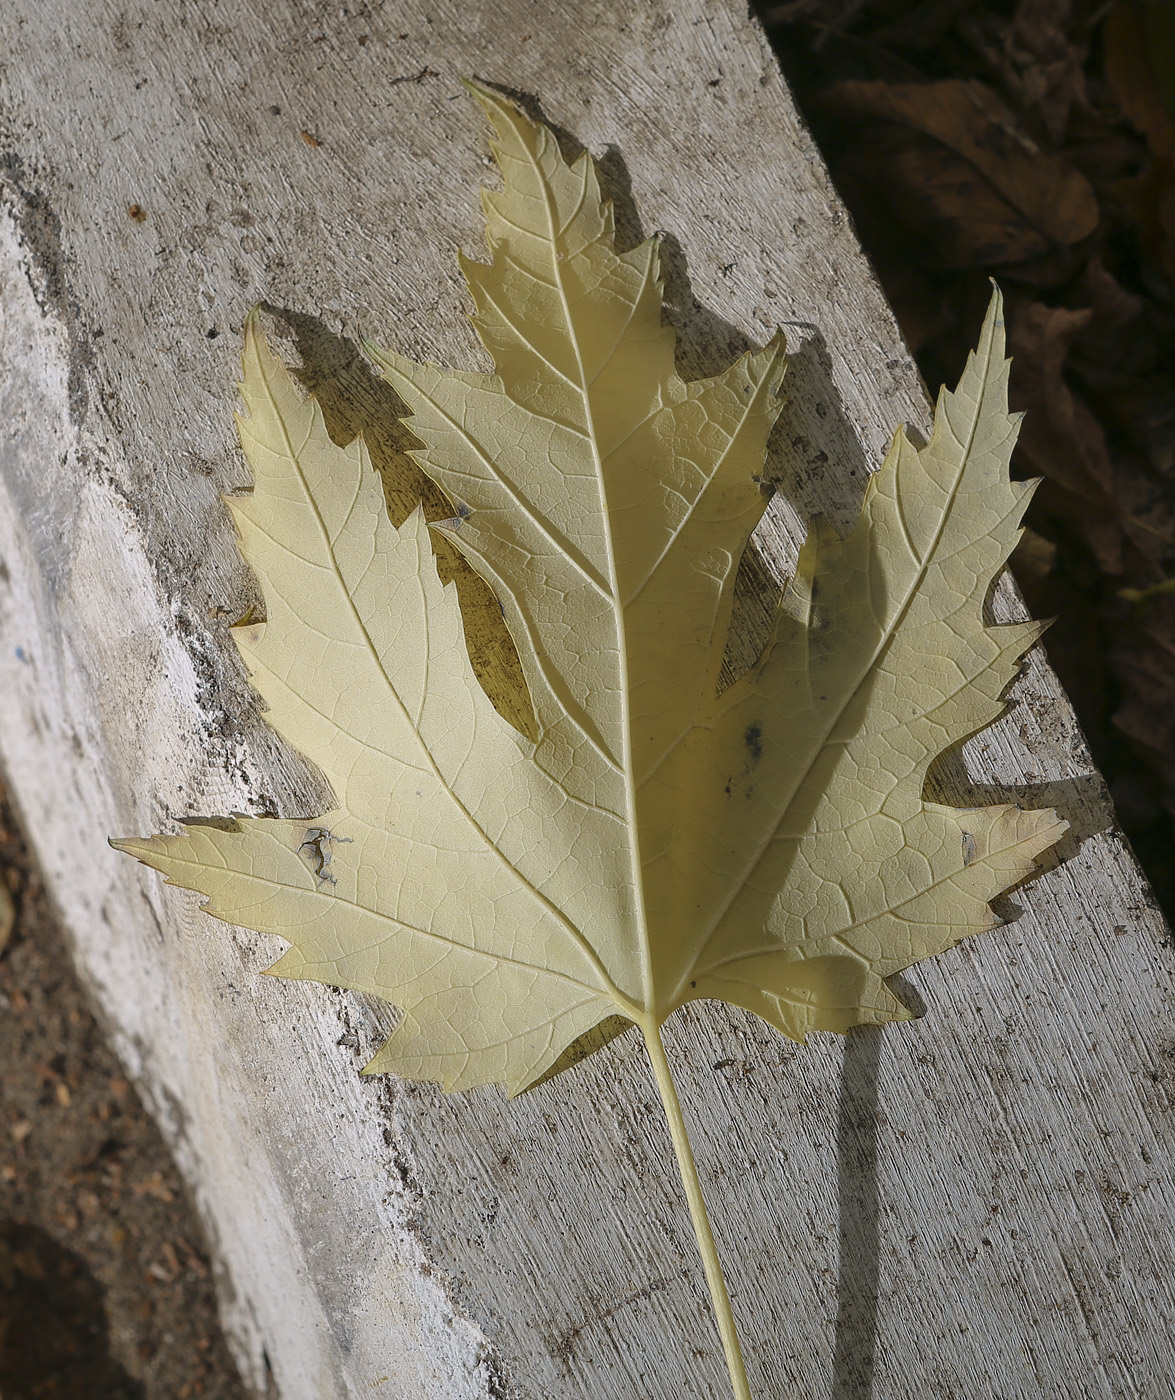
(698, 1213)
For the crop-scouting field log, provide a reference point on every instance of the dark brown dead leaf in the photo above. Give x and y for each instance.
(1039, 56)
(1033, 560)
(1061, 438)
(1144, 656)
(954, 166)
(7, 913)
(1125, 361)
(1131, 69)
(1136, 72)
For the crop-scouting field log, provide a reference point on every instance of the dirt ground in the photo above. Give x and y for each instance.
(105, 1287)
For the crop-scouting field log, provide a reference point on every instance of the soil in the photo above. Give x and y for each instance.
(106, 1292)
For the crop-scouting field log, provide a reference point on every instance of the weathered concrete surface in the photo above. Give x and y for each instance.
(978, 1205)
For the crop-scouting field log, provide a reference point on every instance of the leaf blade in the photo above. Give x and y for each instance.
(656, 842)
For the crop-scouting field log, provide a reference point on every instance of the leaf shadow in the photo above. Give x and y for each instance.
(814, 458)
(816, 463)
(1083, 801)
(356, 401)
(815, 455)
(858, 1225)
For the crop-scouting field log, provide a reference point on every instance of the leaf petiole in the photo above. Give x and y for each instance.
(698, 1212)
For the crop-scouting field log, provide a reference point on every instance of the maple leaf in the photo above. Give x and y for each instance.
(654, 840)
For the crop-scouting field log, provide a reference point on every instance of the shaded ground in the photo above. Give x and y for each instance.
(1034, 141)
(105, 1289)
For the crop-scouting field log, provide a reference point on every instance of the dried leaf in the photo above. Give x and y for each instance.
(960, 175)
(1144, 656)
(1043, 62)
(1062, 439)
(656, 842)
(7, 914)
(1140, 40)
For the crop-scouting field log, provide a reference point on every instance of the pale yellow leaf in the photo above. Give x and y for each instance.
(657, 842)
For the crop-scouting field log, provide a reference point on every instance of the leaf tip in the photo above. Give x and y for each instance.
(139, 848)
(254, 337)
(494, 104)
(995, 307)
